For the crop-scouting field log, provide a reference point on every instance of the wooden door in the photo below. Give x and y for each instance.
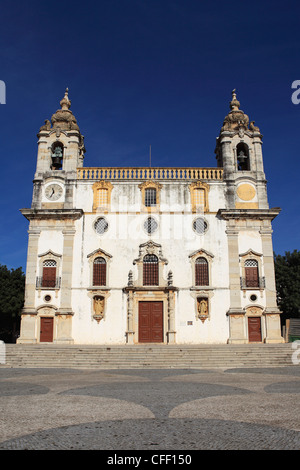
(46, 331)
(150, 322)
(254, 329)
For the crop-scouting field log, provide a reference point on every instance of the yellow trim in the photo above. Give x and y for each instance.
(246, 205)
(148, 185)
(98, 186)
(193, 189)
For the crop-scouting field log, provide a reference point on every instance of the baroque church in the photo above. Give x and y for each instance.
(175, 255)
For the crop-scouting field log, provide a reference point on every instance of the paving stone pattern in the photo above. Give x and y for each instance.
(232, 409)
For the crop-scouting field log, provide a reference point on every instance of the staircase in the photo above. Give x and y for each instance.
(148, 356)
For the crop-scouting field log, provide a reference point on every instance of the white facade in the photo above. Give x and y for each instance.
(197, 289)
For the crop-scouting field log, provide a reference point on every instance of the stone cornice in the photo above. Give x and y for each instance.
(258, 214)
(58, 214)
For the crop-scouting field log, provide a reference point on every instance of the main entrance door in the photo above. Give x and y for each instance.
(150, 322)
(46, 332)
(254, 329)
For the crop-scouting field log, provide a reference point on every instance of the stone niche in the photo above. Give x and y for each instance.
(98, 307)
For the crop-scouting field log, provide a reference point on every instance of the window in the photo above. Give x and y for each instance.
(150, 225)
(102, 197)
(150, 197)
(99, 272)
(200, 225)
(201, 272)
(101, 225)
(243, 160)
(57, 156)
(251, 273)
(150, 270)
(49, 273)
(199, 198)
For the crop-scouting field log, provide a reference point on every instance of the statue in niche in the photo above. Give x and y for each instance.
(99, 303)
(202, 308)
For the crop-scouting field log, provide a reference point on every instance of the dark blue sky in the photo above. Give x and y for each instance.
(148, 72)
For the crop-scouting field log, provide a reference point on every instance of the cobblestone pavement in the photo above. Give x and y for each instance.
(55, 409)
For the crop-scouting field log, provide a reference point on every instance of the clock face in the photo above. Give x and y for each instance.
(53, 192)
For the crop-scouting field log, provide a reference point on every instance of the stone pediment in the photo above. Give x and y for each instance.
(201, 252)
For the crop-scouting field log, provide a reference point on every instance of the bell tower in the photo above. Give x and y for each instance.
(239, 152)
(60, 152)
(248, 228)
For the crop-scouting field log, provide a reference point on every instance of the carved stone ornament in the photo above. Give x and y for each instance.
(202, 308)
(99, 304)
(236, 118)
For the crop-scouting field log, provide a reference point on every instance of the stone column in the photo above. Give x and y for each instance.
(28, 320)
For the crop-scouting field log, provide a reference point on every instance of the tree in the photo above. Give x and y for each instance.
(287, 274)
(12, 287)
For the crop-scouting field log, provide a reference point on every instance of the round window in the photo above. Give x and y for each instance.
(253, 297)
(150, 225)
(101, 225)
(200, 225)
(47, 298)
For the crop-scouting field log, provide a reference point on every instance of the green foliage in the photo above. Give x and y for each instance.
(287, 272)
(12, 287)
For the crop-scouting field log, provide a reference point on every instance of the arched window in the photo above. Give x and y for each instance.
(201, 272)
(49, 273)
(251, 273)
(150, 197)
(99, 272)
(57, 152)
(243, 160)
(150, 270)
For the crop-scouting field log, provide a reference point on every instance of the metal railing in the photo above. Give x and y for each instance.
(260, 283)
(48, 283)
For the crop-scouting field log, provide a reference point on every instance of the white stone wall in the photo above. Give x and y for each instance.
(122, 239)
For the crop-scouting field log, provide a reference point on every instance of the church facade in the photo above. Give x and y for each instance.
(150, 255)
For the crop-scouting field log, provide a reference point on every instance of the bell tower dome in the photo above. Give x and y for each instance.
(239, 152)
(60, 144)
(60, 151)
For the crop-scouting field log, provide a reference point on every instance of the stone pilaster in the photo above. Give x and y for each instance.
(64, 323)
(272, 313)
(130, 328)
(28, 323)
(171, 317)
(236, 314)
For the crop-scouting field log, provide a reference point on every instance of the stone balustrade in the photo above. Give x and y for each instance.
(147, 173)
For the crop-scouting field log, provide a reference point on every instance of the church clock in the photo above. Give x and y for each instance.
(53, 192)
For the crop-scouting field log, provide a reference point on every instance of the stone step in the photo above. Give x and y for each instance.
(148, 356)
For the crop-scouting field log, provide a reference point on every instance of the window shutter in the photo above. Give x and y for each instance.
(49, 273)
(201, 274)
(251, 273)
(99, 272)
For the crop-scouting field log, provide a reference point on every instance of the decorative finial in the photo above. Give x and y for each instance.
(65, 102)
(234, 103)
